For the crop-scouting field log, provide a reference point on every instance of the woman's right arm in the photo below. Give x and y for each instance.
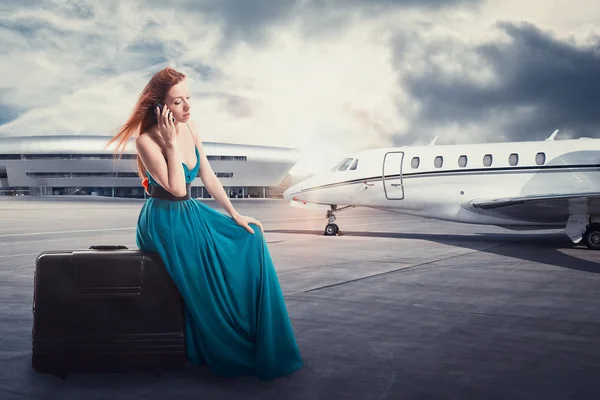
(169, 174)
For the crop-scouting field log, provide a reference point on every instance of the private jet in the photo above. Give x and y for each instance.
(545, 184)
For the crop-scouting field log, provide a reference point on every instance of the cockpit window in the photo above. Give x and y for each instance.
(354, 164)
(345, 164)
(336, 166)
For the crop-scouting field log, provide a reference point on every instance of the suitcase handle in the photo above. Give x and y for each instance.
(109, 247)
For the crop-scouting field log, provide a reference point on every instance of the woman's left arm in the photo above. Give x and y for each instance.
(215, 188)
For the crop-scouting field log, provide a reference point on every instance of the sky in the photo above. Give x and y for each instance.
(328, 77)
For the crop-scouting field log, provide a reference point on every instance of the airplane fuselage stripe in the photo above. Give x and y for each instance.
(473, 171)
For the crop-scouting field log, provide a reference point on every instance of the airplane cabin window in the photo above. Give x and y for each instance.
(439, 161)
(354, 164)
(513, 159)
(487, 160)
(462, 161)
(344, 166)
(540, 158)
(414, 163)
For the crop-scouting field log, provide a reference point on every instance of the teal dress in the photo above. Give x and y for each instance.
(235, 314)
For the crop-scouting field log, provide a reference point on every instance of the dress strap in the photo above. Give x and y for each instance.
(190, 129)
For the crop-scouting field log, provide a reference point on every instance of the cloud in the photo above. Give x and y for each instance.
(326, 76)
(8, 113)
(253, 21)
(77, 67)
(534, 83)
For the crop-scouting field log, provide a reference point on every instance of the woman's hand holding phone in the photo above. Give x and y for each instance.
(166, 125)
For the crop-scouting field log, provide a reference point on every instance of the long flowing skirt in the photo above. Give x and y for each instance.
(236, 317)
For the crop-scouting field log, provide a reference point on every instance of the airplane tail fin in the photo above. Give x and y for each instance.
(551, 137)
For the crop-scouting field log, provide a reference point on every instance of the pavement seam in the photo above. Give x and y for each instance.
(401, 269)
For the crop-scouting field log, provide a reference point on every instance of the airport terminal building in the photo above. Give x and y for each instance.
(79, 165)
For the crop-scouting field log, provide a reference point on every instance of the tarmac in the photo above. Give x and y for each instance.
(398, 307)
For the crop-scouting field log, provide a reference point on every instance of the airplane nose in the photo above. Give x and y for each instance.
(287, 194)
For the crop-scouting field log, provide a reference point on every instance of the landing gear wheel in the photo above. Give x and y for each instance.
(591, 237)
(331, 229)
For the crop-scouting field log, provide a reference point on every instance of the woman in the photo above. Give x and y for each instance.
(236, 318)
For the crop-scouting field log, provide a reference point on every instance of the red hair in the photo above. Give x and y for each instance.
(143, 115)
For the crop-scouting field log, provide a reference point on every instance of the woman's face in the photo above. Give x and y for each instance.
(178, 101)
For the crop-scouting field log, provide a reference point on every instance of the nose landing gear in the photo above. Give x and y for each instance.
(333, 229)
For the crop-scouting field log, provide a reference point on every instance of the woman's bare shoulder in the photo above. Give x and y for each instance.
(147, 139)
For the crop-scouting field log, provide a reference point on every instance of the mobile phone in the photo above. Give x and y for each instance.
(160, 108)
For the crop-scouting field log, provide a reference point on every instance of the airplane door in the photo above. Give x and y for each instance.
(392, 175)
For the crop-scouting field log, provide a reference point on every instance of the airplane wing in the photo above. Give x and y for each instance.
(570, 209)
(537, 201)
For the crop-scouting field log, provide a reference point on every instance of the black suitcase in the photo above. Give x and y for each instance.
(105, 309)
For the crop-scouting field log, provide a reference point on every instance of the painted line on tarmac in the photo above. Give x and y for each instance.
(63, 232)
(133, 228)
